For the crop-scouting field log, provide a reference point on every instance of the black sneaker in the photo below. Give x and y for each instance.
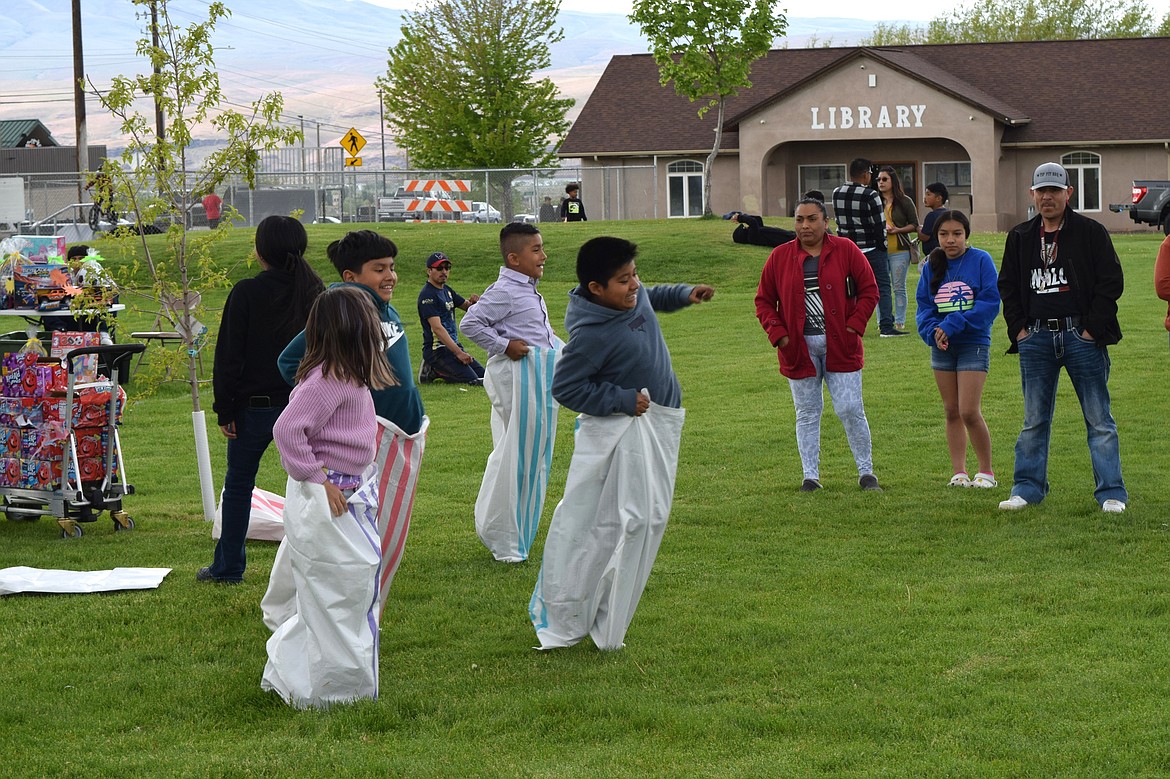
(426, 374)
(810, 485)
(893, 333)
(869, 483)
(204, 575)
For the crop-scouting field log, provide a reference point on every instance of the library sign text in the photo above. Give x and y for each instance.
(864, 117)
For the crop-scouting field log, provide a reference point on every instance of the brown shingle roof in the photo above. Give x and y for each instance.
(1053, 92)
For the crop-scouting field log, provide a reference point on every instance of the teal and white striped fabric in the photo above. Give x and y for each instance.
(524, 431)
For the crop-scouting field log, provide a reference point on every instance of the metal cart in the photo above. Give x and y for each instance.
(76, 501)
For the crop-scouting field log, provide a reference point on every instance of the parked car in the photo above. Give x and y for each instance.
(482, 212)
(1151, 204)
(525, 218)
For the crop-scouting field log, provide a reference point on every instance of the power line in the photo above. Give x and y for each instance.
(348, 43)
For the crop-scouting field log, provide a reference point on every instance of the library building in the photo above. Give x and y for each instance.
(978, 117)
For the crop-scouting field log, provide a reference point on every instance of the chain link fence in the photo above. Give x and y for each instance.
(313, 182)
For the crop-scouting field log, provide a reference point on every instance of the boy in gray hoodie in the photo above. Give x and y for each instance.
(615, 345)
(605, 532)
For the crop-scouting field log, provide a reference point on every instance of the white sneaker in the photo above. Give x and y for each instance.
(959, 480)
(1113, 506)
(1013, 503)
(984, 481)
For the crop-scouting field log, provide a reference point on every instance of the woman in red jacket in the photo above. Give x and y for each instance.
(815, 297)
(1162, 275)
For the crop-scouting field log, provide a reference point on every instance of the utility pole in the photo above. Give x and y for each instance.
(302, 118)
(79, 102)
(382, 132)
(159, 126)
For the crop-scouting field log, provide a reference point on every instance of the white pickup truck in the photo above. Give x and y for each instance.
(397, 207)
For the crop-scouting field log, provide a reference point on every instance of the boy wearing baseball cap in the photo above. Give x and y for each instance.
(443, 356)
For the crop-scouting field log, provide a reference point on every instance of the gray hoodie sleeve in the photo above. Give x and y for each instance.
(669, 297)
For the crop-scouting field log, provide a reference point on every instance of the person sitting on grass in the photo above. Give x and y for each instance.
(446, 359)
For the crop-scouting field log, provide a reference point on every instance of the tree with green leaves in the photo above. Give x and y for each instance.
(150, 180)
(707, 49)
(1027, 20)
(461, 89)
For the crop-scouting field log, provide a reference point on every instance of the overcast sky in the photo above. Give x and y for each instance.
(909, 10)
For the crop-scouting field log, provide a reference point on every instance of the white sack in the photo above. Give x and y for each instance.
(327, 650)
(397, 459)
(606, 530)
(265, 520)
(524, 431)
(25, 579)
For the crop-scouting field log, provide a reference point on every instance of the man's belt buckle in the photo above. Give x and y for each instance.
(1054, 325)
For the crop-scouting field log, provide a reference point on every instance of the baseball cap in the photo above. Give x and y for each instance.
(437, 258)
(1050, 174)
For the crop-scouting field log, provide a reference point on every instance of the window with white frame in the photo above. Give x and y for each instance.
(824, 178)
(684, 180)
(957, 178)
(1084, 174)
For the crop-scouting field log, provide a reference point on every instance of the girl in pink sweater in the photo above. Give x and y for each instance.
(324, 648)
(326, 435)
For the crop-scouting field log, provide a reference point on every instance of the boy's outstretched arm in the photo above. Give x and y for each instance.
(701, 293)
(672, 297)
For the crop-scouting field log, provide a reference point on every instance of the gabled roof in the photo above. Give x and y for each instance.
(15, 133)
(1042, 91)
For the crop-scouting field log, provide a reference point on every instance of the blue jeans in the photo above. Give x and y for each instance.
(899, 264)
(253, 435)
(1042, 354)
(879, 260)
(448, 368)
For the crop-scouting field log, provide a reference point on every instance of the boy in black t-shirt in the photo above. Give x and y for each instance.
(572, 209)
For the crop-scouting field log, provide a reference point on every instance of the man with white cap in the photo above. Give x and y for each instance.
(1060, 281)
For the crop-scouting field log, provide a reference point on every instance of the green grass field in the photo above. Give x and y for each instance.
(916, 632)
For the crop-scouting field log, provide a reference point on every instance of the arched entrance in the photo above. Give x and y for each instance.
(791, 169)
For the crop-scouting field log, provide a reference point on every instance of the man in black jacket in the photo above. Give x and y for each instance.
(1060, 281)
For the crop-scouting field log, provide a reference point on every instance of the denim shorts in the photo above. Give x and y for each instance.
(961, 357)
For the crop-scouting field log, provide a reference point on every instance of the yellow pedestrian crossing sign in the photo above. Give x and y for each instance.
(353, 142)
(353, 162)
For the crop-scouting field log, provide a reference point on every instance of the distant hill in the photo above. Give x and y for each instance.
(322, 55)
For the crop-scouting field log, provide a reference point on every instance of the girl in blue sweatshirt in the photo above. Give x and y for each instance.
(958, 301)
